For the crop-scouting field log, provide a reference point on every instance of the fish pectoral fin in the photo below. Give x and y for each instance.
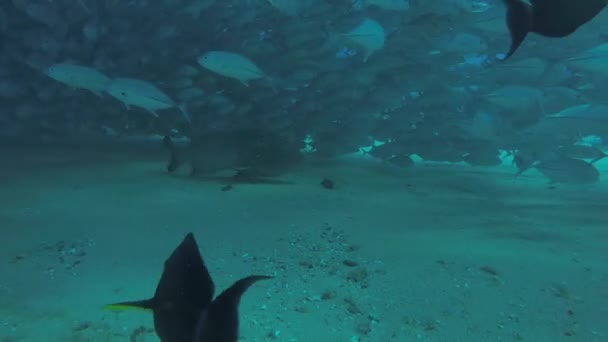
(185, 113)
(119, 307)
(595, 160)
(155, 114)
(147, 304)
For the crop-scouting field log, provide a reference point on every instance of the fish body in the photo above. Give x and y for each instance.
(563, 169)
(402, 161)
(578, 151)
(515, 98)
(394, 5)
(143, 94)
(251, 153)
(483, 158)
(183, 305)
(386, 151)
(369, 35)
(585, 111)
(291, 7)
(204, 155)
(592, 61)
(549, 18)
(231, 65)
(78, 76)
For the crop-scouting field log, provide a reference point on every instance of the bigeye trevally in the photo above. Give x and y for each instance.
(78, 76)
(232, 65)
(143, 94)
(369, 35)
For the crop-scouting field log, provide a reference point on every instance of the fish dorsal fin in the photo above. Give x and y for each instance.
(184, 290)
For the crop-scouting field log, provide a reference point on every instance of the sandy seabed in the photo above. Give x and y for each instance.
(433, 253)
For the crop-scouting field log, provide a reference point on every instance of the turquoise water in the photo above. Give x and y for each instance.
(434, 254)
(380, 160)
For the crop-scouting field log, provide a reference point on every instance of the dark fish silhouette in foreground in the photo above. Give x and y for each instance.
(560, 169)
(549, 18)
(183, 305)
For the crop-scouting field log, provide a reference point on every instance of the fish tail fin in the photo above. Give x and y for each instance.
(84, 6)
(152, 112)
(530, 165)
(185, 113)
(520, 171)
(174, 159)
(147, 304)
(519, 22)
(277, 84)
(222, 317)
(232, 295)
(595, 160)
(366, 56)
(522, 163)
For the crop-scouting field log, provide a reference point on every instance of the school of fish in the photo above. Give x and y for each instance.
(446, 80)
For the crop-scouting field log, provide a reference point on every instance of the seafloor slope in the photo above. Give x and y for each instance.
(444, 253)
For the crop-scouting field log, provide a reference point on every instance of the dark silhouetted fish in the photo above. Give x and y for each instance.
(483, 157)
(183, 305)
(565, 170)
(523, 161)
(252, 153)
(549, 18)
(386, 151)
(591, 153)
(175, 161)
(401, 161)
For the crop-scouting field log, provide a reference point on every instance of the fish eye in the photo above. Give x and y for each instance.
(123, 93)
